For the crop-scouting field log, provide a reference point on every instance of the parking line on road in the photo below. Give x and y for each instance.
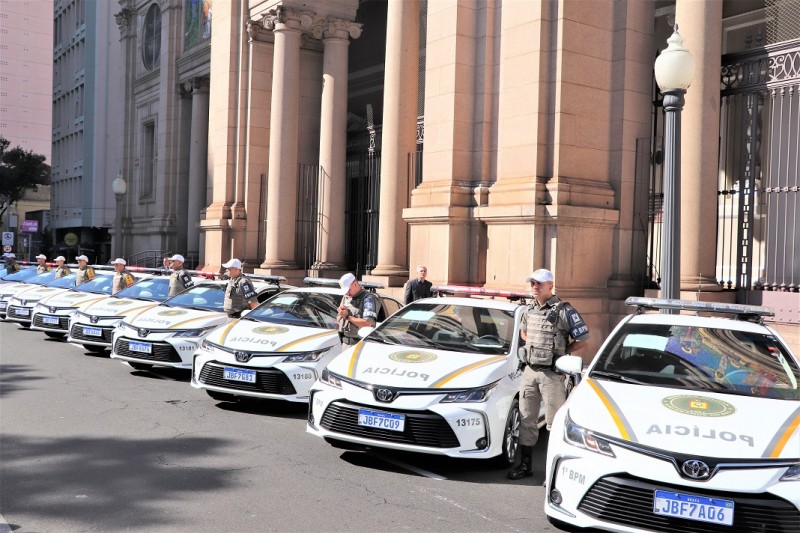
(406, 466)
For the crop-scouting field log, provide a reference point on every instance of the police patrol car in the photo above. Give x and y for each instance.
(51, 314)
(169, 333)
(683, 423)
(21, 297)
(440, 376)
(278, 349)
(94, 325)
(12, 283)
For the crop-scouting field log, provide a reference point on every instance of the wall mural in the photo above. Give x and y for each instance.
(197, 25)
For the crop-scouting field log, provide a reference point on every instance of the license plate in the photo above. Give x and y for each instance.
(50, 320)
(239, 374)
(97, 332)
(380, 420)
(22, 311)
(141, 347)
(3, 305)
(700, 508)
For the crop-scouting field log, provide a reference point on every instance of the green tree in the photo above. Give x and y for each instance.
(19, 170)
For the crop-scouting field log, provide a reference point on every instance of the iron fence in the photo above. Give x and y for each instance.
(310, 190)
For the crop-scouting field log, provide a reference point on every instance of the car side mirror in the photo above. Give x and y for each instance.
(366, 330)
(569, 364)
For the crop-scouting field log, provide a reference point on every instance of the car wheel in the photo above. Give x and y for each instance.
(54, 335)
(510, 437)
(222, 396)
(94, 348)
(140, 366)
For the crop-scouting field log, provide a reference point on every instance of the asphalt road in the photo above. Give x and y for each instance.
(89, 444)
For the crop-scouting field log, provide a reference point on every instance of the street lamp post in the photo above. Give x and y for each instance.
(674, 70)
(120, 187)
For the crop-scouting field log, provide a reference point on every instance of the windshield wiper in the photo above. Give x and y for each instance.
(613, 376)
(381, 340)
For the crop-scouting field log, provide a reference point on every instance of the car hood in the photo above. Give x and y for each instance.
(402, 366)
(117, 307)
(262, 336)
(12, 289)
(70, 298)
(36, 292)
(681, 421)
(163, 317)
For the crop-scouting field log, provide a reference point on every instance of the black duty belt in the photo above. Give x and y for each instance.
(350, 340)
(541, 367)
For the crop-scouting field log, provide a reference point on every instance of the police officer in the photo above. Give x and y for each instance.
(85, 272)
(550, 328)
(42, 267)
(358, 308)
(122, 278)
(418, 287)
(239, 293)
(179, 280)
(11, 263)
(61, 270)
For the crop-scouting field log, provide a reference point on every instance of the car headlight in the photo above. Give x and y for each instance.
(479, 394)
(793, 474)
(306, 356)
(199, 332)
(586, 439)
(331, 379)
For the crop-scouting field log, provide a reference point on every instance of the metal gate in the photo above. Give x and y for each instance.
(363, 176)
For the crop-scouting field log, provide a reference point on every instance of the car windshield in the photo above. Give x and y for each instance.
(101, 284)
(459, 328)
(67, 282)
(203, 297)
(153, 289)
(23, 275)
(42, 279)
(309, 309)
(701, 359)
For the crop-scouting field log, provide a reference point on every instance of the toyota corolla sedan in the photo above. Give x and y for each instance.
(440, 376)
(168, 334)
(93, 326)
(683, 423)
(23, 296)
(277, 350)
(16, 281)
(51, 314)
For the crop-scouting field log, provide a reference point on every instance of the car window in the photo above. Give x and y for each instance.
(706, 359)
(308, 309)
(101, 284)
(460, 328)
(153, 289)
(267, 293)
(208, 297)
(66, 282)
(390, 305)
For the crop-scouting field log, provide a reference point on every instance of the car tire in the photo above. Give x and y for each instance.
(510, 438)
(140, 366)
(54, 335)
(222, 396)
(94, 348)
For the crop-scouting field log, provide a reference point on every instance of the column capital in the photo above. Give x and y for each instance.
(124, 19)
(198, 84)
(336, 28)
(257, 32)
(282, 18)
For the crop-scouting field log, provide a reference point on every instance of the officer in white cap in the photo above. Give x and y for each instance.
(122, 278)
(61, 269)
(550, 328)
(42, 266)
(358, 308)
(85, 272)
(11, 263)
(179, 280)
(239, 293)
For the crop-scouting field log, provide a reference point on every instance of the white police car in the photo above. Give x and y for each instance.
(683, 423)
(440, 376)
(13, 283)
(169, 333)
(51, 314)
(93, 326)
(279, 349)
(21, 297)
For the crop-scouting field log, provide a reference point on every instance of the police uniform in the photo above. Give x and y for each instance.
(62, 271)
(238, 293)
(11, 266)
(41, 269)
(122, 280)
(364, 305)
(179, 281)
(84, 274)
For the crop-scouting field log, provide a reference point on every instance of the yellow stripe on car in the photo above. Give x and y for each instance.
(227, 330)
(354, 359)
(778, 442)
(298, 341)
(179, 324)
(462, 370)
(622, 424)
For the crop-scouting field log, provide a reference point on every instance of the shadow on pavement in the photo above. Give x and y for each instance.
(106, 484)
(13, 377)
(265, 407)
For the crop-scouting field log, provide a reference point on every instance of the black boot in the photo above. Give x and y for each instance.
(525, 467)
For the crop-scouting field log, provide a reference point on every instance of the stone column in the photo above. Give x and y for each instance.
(701, 25)
(336, 35)
(399, 136)
(198, 163)
(284, 128)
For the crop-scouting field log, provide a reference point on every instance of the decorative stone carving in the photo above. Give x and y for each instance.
(187, 88)
(124, 20)
(309, 23)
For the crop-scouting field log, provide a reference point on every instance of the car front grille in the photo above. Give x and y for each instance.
(628, 501)
(422, 428)
(77, 334)
(268, 380)
(63, 322)
(17, 312)
(162, 352)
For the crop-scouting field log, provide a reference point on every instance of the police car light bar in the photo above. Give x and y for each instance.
(480, 291)
(689, 305)
(276, 279)
(330, 282)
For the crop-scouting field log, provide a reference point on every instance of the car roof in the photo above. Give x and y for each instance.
(699, 321)
(472, 302)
